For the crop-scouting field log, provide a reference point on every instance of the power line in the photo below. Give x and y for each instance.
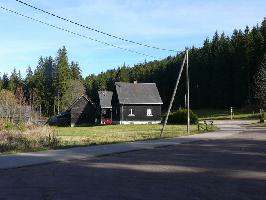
(96, 30)
(76, 34)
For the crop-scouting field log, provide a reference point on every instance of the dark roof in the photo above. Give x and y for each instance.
(138, 93)
(105, 98)
(82, 96)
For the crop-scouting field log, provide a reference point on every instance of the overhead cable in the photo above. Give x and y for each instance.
(77, 34)
(96, 30)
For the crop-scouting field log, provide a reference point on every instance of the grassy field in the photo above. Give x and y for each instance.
(225, 114)
(95, 135)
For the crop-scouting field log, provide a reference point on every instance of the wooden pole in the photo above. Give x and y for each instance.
(173, 96)
(58, 106)
(188, 108)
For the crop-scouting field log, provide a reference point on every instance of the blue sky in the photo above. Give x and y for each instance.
(172, 24)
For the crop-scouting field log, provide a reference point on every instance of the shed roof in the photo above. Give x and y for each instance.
(105, 98)
(138, 93)
(74, 102)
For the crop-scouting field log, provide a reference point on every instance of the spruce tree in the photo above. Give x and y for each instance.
(260, 85)
(29, 85)
(49, 90)
(1, 83)
(61, 77)
(75, 71)
(5, 80)
(14, 80)
(38, 92)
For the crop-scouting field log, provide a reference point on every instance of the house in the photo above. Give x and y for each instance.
(80, 113)
(105, 106)
(136, 103)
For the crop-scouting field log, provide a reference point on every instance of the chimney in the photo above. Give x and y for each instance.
(135, 82)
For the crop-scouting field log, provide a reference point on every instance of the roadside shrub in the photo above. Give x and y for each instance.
(37, 137)
(180, 117)
(8, 125)
(262, 117)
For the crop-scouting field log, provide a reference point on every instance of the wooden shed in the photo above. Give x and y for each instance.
(82, 112)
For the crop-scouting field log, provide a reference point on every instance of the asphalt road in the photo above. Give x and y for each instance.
(230, 168)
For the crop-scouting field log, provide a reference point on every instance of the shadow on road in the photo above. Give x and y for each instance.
(232, 168)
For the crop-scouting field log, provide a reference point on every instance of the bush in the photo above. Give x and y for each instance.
(27, 140)
(180, 117)
(262, 117)
(7, 125)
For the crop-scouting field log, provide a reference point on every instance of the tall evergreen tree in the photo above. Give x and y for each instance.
(14, 80)
(75, 71)
(1, 83)
(29, 85)
(49, 90)
(260, 84)
(5, 80)
(38, 90)
(61, 77)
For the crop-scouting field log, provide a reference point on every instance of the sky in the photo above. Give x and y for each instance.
(170, 24)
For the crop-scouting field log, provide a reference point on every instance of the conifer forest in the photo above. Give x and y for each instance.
(226, 71)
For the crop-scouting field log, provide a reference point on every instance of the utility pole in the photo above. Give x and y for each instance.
(173, 96)
(188, 108)
(58, 101)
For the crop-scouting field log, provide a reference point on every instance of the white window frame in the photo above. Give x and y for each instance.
(131, 114)
(149, 112)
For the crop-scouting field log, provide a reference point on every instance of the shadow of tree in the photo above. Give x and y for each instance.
(232, 168)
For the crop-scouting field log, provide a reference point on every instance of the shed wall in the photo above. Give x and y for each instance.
(82, 113)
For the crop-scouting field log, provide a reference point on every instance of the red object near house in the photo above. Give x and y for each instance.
(107, 121)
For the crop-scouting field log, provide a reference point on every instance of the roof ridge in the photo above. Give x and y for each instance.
(133, 83)
(84, 96)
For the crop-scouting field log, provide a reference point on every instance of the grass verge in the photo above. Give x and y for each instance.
(96, 135)
(225, 114)
(45, 138)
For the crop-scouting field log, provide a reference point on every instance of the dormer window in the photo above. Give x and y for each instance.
(131, 112)
(149, 112)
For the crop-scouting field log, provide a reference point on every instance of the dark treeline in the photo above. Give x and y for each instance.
(226, 71)
(222, 72)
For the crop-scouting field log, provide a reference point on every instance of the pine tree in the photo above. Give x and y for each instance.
(61, 77)
(1, 83)
(5, 80)
(49, 90)
(38, 91)
(260, 85)
(14, 80)
(75, 71)
(263, 31)
(29, 85)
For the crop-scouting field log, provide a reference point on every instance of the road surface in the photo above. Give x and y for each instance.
(228, 168)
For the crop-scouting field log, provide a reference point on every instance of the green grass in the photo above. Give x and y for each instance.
(261, 124)
(209, 114)
(67, 137)
(96, 135)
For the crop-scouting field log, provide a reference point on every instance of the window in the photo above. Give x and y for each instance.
(149, 112)
(131, 112)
